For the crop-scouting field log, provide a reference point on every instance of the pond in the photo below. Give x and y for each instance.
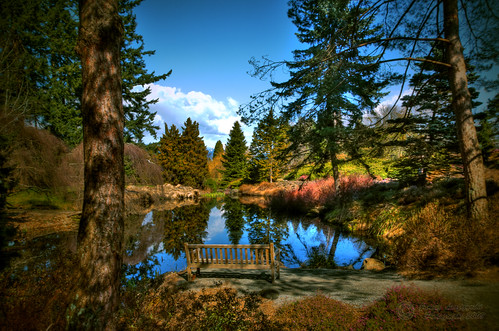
(155, 242)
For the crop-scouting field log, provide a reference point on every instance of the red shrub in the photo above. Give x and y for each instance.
(319, 192)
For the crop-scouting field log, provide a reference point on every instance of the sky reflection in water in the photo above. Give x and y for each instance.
(162, 234)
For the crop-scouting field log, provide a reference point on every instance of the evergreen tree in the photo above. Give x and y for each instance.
(269, 143)
(488, 131)
(430, 138)
(138, 117)
(170, 154)
(183, 156)
(235, 160)
(322, 89)
(193, 163)
(41, 72)
(451, 23)
(219, 149)
(215, 166)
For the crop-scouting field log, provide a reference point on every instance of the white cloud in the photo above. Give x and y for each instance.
(390, 99)
(215, 118)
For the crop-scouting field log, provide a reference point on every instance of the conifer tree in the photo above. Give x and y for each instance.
(138, 117)
(269, 143)
(101, 227)
(235, 159)
(169, 154)
(41, 72)
(488, 130)
(215, 166)
(219, 149)
(321, 89)
(428, 127)
(193, 163)
(183, 156)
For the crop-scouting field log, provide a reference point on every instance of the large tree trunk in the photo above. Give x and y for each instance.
(476, 195)
(100, 233)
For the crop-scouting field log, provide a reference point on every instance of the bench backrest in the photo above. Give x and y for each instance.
(230, 256)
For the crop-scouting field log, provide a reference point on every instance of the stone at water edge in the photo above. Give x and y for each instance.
(372, 264)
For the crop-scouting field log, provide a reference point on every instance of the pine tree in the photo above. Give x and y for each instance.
(235, 160)
(170, 154)
(193, 164)
(488, 130)
(428, 127)
(269, 143)
(183, 156)
(219, 149)
(322, 89)
(138, 117)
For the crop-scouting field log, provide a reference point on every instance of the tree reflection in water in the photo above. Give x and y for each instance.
(158, 237)
(233, 215)
(162, 231)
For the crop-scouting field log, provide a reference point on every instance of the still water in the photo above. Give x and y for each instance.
(155, 241)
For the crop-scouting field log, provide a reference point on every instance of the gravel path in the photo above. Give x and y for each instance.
(355, 287)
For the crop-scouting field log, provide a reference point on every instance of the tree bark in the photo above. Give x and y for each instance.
(476, 194)
(100, 233)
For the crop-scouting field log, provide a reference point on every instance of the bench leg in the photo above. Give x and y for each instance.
(189, 275)
(272, 272)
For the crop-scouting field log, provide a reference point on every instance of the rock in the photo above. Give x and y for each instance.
(372, 264)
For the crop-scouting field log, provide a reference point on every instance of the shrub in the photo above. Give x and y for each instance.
(409, 308)
(37, 299)
(166, 307)
(144, 169)
(319, 193)
(438, 242)
(317, 312)
(36, 156)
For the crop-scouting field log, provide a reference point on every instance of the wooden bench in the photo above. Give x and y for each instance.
(232, 257)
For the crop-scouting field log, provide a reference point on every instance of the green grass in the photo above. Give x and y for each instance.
(378, 166)
(38, 199)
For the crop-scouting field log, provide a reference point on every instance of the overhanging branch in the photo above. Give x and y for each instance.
(417, 59)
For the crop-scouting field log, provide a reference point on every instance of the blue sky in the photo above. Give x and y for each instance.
(207, 44)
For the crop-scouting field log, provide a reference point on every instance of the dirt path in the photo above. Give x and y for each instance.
(477, 297)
